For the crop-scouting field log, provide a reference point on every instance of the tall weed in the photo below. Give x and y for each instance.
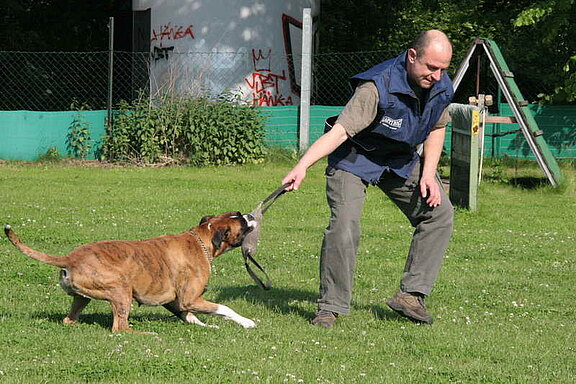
(196, 131)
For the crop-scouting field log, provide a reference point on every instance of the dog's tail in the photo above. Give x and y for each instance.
(43, 257)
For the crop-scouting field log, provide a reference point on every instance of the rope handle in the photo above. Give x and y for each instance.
(274, 196)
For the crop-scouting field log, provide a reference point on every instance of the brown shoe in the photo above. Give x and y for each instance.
(410, 306)
(325, 318)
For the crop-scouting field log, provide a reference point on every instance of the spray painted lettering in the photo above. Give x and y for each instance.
(161, 53)
(264, 84)
(171, 32)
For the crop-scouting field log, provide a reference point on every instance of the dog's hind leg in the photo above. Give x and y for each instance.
(173, 307)
(201, 305)
(192, 319)
(120, 312)
(78, 304)
(121, 305)
(188, 317)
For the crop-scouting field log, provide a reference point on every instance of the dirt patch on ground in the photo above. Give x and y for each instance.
(87, 163)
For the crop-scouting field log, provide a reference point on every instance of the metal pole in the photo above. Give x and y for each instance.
(306, 81)
(110, 67)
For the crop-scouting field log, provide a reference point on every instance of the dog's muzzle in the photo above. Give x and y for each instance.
(250, 221)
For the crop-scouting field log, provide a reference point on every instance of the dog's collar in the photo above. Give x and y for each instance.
(204, 249)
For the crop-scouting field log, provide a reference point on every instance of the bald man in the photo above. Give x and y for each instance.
(396, 106)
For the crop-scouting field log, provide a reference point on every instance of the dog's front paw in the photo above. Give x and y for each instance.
(247, 323)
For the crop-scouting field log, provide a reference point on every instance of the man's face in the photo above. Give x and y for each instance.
(427, 69)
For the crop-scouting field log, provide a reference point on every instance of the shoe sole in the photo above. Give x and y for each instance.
(407, 313)
(323, 324)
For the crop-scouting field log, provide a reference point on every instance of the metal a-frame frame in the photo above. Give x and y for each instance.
(522, 112)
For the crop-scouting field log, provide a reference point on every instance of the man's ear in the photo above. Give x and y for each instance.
(219, 236)
(412, 55)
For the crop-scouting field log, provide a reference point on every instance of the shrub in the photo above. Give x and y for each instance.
(52, 155)
(197, 131)
(78, 137)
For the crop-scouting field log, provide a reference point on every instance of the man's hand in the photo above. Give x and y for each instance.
(295, 176)
(430, 190)
(321, 147)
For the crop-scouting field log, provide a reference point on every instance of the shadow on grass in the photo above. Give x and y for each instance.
(103, 319)
(529, 182)
(289, 301)
(280, 300)
(382, 314)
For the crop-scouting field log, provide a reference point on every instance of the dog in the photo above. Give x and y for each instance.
(170, 270)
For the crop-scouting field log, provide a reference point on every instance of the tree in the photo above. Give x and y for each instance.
(553, 20)
(57, 25)
(538, 50)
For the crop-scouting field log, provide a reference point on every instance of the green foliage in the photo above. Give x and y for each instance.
(52, 155)
(197, 131)
(553, 19)
(536, 37)
(532, 15)
(78, 137)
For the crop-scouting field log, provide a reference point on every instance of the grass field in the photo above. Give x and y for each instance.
(503, 304)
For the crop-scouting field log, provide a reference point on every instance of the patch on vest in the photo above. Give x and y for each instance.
(391, 123)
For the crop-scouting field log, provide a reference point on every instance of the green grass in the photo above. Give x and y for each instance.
(503, 304)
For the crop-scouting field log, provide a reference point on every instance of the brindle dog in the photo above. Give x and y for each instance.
(170, 270)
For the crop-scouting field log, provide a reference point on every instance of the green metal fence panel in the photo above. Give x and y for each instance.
(25, 135)
(282, 124)
(557, 122)
(318, 116)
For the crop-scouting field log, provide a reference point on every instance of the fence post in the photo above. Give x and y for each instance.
(110, 67)
(306, 81)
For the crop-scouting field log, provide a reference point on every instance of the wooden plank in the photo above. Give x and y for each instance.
(501, 119)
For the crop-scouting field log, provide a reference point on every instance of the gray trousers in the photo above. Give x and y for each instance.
(345, 194)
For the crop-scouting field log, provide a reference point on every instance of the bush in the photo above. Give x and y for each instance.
(197, 131)
(78, 137)
(52, 155)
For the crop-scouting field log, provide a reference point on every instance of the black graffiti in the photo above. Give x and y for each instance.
(161, 53)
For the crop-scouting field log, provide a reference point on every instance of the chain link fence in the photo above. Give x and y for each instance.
(52, 81)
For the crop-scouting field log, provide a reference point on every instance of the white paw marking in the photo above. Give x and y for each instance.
(229, 314)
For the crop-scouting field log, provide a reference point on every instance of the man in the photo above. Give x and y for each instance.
(396, 106)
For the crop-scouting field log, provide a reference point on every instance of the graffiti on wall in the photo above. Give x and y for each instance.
(175, 50)
(167, 34)
(264, 84)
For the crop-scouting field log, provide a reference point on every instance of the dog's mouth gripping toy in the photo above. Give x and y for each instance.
(250, 243)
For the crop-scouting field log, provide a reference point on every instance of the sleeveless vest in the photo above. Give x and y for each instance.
(390, 141)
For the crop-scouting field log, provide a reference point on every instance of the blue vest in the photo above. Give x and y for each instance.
(390, 141)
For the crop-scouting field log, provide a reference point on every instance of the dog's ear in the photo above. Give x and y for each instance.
(205, 219)
(219, 236)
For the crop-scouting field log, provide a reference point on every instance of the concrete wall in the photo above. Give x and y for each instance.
(252, 47)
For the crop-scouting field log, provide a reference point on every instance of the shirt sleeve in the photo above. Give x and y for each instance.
(444, 120)
(361, 109)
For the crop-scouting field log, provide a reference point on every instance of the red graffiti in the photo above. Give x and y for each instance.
(264, 84)
(172, 32)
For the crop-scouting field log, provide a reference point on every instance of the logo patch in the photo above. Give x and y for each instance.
(391, 123)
